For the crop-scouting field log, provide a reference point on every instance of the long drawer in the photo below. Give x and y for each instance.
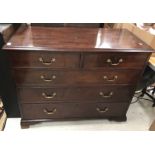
(87, 94)
(48, 111)
(49, 77)
(44, 60)
(115, 60)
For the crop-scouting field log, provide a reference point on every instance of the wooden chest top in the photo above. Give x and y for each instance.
(75, 39)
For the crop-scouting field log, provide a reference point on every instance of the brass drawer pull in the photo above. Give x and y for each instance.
(50, 112)
(111, 80)
(47, 63)
(49, 96)
(114, 64)
(48, 80)
(106, 96)
(102, 110)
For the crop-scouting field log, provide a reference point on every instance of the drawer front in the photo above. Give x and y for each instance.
(56, 78)
(43, 60)
(88, 94)
(48, 111)
(60, 78)
(115, 60)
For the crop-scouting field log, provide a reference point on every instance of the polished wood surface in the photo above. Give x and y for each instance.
(65, 73)
(44, 60)
(90, 94)
(26, 77)
(75, 39)
(111, 60)
(44, 111)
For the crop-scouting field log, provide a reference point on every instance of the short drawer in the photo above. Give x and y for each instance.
(37, 59)
(115, 60)
(86, 94)
(58, 78)
(82, 110)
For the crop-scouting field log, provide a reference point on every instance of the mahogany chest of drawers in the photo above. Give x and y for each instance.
(75, 73)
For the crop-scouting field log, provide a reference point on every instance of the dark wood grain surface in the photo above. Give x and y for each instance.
(81, 110)
(75, 39)
(44, 60)
(106, 93)
(32, 77)
(64, 73)
(114, 60)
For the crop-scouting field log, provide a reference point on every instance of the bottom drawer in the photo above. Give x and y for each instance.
(60, 111)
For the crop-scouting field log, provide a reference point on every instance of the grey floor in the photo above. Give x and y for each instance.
(139, 118)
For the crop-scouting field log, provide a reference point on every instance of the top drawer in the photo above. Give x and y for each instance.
(115, 60)
(35, 59)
